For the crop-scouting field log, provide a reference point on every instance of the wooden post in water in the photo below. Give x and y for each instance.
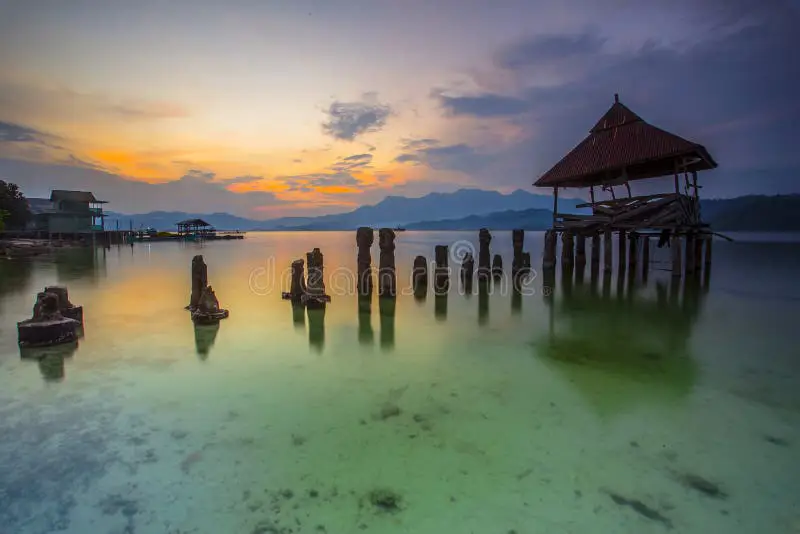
(567, 249)
(549, 259)
(595, 250)
(607, 248)
(632, 252)
(708, 250)
(698, 253)
(690, 237)
(675, 245)
(621, 251)
(645, 256)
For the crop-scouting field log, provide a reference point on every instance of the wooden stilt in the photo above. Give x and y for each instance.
(675, 245)
(580, 249)
(621, 251)
(595, 250)
(698, 253)
(549, 260)
(709, 240)
(607, 248)
(567, 249)
(690, 253)
(645, 257)
(632, 252)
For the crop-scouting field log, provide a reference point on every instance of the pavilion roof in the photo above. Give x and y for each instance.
(623, 144)
(193, 222)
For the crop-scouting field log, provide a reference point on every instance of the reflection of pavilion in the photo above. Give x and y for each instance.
(623, 343)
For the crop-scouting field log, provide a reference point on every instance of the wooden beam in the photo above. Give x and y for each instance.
(555, 203)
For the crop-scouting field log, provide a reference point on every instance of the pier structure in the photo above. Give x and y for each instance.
(622, 148)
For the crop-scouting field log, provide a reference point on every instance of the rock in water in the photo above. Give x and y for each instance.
(199, 280)
(387, 278)
(47, 326)
(364, 239)
(484, 257)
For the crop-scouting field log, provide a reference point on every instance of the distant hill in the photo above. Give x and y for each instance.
(533, 219)
(471, 209)
(753, 213)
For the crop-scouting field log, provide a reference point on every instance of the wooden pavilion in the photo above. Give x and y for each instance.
(195, 229)
(620, 148)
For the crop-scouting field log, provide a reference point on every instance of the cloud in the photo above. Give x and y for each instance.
(308, 183)
(482, 105)
(534, 51)
(195, 192)
(48, 104)
(244, 179)
(348, 120)
(351, 163)
(459, 157)
(17, 133)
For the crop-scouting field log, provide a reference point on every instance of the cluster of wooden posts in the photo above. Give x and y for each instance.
(690, 251)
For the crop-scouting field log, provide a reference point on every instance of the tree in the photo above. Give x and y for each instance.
(15, 206)
(3, 216)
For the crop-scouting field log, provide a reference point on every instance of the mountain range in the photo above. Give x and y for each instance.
(471, 209)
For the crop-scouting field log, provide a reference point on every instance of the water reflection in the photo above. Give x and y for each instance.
(386, 308)
(15, 277)
(316, 328)
(440, 307)
(641, 336)
(204, 337)
(366, 336)
(298, 316)
(483, 302)
(51, 360)
(81, 263)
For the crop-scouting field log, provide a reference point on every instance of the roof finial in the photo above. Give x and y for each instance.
(616, 98)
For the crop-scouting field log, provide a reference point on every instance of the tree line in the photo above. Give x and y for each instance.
(14, 210)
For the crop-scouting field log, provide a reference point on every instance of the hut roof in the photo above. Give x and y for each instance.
(193, 222)
(74, 196)
(622, 142)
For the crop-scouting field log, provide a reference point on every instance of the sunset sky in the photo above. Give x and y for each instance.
(297, 107)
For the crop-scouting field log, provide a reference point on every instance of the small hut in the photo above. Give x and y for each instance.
(195, 229)
(620, 148)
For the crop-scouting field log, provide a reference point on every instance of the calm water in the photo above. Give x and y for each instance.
(584, 409)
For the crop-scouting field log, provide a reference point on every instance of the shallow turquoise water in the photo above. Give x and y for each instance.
(577, 410)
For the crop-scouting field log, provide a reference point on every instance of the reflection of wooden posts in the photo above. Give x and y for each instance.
(567, 249)
(387, 279)
(440, 306)
(675, 245)
(516, 297)
(607, 251)
(645, 257)
(549, 260)
(467, 270)
(621, 252)
(316, 327)
(386, 309)
(484, 257)
(365, 334)
(364, 238)
(517, 242)
(483, 302)
(580, 250)
(606, 285)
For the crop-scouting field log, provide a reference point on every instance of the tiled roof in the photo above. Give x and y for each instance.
(622, 140)
(72, 196)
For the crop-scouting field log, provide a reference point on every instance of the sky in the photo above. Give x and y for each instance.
(305, 107)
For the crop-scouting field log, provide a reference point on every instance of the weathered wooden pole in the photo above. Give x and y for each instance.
(441, 275)
(690, 249)
(467, 270)
(698, 253)
(484, 257)
(517, 242)
(709, 240)
(595, 250)
(497, 266)
(621, 251)
(580, 250)
(419, 277)
(645, 256)
(675, 245)
(607, 252)
(633, 251)
(364, 238)
(549, 258)
(387, 277)
(567, 249)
